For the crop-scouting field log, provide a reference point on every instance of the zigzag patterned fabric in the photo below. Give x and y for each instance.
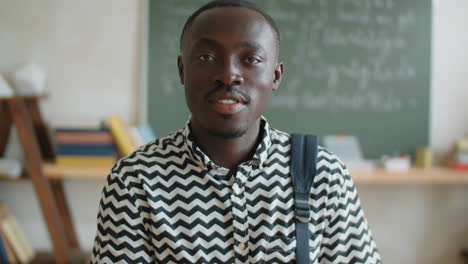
(169, 203)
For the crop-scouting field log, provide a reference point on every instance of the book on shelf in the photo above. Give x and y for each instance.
(86, 136)
(91, 161)
(77, 146)
(82, 129)
(121, 135)
(5, 252)
(14, 236)
(85, 147)
(10, 257)
(78, 135)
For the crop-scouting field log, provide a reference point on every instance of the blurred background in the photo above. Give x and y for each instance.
(95, 54)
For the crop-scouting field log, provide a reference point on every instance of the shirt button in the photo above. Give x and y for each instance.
(241, 246)
(236, 189)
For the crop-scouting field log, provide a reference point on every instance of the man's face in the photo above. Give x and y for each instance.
(229, 67)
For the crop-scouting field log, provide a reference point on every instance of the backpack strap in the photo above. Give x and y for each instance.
(303, 170)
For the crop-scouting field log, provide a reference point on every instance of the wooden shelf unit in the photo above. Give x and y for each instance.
(24, 113)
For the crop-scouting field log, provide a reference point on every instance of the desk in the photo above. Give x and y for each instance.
(435, 175)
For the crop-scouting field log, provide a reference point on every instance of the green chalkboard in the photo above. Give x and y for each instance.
(352, 67)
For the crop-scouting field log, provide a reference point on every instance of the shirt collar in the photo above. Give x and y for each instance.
(258, 159)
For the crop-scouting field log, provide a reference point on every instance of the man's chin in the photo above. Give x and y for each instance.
(232, 134)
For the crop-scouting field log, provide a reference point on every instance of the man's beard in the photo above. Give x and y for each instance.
(239, 132)
(227, 134)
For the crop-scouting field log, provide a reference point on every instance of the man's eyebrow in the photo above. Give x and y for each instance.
(207, 41)
(250, 44)
(215, 43)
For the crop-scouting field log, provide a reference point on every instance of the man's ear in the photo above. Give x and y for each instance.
(180, 66)
(278, 75)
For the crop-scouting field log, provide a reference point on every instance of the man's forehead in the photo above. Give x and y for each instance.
(229, 20)
(222, 13)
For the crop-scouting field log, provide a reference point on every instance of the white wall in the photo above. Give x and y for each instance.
(449, 115)
(90, 49)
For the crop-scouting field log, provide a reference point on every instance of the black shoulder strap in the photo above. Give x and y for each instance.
(303, 170)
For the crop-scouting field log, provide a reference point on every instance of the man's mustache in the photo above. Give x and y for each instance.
(233, 90)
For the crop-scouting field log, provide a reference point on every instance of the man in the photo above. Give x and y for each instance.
(219, 190)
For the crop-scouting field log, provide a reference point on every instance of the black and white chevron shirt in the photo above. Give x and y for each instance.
(169, 203)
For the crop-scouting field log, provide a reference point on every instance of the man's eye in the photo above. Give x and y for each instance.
(205, 57)
(252, 60)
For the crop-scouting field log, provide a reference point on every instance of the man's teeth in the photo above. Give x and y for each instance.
(227, 101)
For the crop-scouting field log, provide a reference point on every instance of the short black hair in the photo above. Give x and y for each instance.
(230, 3)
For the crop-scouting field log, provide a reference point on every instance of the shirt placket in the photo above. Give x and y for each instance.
(239, 211)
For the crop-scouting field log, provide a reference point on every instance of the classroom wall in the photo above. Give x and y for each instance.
(91, 51)
(450, 74)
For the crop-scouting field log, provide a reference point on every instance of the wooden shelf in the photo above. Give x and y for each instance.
(61, 172)
(77, 257)
(52, 171)
(436, 175)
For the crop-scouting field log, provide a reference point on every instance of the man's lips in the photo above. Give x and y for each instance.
(227, 100)
(228, 106)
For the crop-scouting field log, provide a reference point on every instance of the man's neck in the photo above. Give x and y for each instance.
(228, 153)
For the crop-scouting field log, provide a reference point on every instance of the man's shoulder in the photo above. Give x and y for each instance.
(328, 158)
(158, 150)
(328, 164)
(331, 169)
(324, 156)
(173, 142)
(325, 159)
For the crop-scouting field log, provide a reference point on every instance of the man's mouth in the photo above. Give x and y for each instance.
(228, 106)
(227, 101)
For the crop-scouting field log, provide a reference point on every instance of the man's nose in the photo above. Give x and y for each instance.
(230, 73)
